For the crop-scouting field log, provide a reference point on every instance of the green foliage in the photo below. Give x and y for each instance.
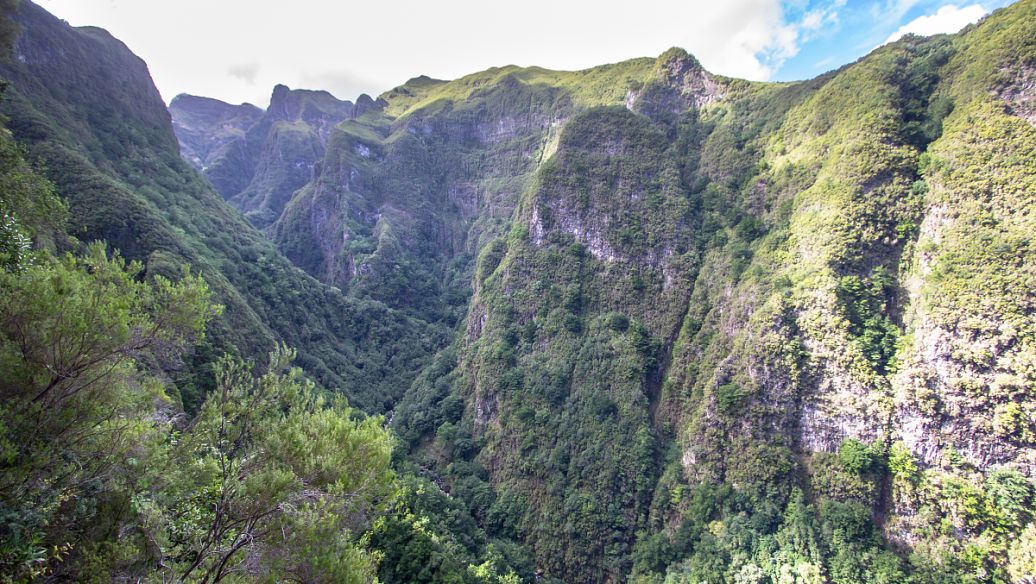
(428, 536)
(855, 456)
(29, 207)
(728, 536)
(728, 397)
(490, 258)
(901, 462)
(78, 341)
(869, 322)
(1011, 495)
(15, 243)
(1022, 555)
(98, 474)
(266, 471)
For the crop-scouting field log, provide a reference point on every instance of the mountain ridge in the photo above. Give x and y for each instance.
(114, 157)
(647, 323)
(756, 246)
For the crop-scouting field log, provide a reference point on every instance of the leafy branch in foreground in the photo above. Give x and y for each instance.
(78, 341)
(271, 478)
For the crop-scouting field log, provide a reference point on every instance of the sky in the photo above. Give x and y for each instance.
(237, 50)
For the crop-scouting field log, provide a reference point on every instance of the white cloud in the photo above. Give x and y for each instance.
(743, 38)
(812, 20)
(237, 50)
(752, 38)
(948, 19)
(246, 72)
(893, 10)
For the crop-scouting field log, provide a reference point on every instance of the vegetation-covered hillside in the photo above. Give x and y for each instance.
(152, 426)
(635, 323)
(85, 110)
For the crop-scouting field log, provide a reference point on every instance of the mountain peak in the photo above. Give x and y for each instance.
(366, 103)
(186, 101)
(677, 61)
(287, 103)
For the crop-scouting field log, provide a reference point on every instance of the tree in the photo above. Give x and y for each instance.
(272, 472)
(79, 337)
(30, 212)
(1021, 563)
(855, 456)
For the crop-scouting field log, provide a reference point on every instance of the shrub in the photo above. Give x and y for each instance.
(855, 456)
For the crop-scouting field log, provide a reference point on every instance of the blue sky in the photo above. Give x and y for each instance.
(237, 50)
(857, 26)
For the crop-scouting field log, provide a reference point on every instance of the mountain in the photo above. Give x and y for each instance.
(648, 323)
(257, 160)
(697, 300)
(205, 126)
(85, 107)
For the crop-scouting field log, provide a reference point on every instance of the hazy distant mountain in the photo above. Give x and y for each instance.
(257, 159)
(205, 126)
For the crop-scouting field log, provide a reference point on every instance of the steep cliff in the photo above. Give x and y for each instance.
(205, 127)
(697, 314)
(731, 312)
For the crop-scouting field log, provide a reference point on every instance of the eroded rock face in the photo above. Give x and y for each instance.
(682, 85)
(1020, 94)
(407, 196)
(685, 74)
(966, 382)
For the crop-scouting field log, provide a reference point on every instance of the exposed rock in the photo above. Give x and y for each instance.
(1020, 94)
(682, 85)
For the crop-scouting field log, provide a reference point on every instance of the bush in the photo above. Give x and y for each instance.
(855, 456)
(729, 397)
(618, 322)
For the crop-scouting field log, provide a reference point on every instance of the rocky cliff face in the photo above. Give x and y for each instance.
(705, 328)
(397, 201)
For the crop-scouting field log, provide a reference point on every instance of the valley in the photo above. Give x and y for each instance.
(635, 323)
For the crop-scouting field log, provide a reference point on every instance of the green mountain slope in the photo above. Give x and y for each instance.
(85, 108)
(655, 324)
(713, 319)
(707, 314)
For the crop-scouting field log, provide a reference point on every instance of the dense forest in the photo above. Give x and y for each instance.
(637, 323)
